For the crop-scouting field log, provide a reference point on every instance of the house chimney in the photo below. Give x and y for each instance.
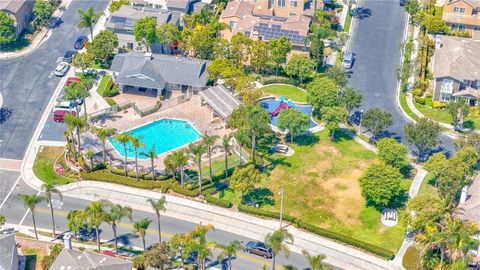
(67, 240)
(148, 56)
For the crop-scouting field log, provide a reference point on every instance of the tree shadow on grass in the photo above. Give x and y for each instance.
(343, 135)
(259, 197)
(272, 162)
(306, 140)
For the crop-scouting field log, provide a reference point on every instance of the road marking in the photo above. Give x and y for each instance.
(10, 192)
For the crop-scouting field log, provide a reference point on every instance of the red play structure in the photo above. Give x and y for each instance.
(283, 105)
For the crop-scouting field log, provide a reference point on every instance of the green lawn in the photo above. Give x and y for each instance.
(288, 91)
(348, 23)
(428, 185)
(442, 115)
(404, 105)
(103, 84)
(43, 166)
(321, 187)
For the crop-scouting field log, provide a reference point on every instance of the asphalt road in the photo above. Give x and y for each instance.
(376, 42)
(26, 86)
(15, 213)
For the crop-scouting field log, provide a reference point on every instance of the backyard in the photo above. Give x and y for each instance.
(288, 91)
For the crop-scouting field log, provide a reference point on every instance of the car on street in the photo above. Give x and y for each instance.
(68, 56)
(70, 106)
(7, 231)
(71, 80)
(60, 115)
(80, 42)
(402, 3)
(258, 248)
(348, 59)
(61, 69)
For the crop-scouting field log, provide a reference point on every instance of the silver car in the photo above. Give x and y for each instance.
(348, 59)
(61, 69)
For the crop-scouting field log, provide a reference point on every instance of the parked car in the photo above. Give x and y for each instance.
(402, 3)
(70, 106)
(61, 69)
(259, 248)
(80, 42)
(68, 56)
(348, 59)
(7, 231)
(60, 115)
(71, 80)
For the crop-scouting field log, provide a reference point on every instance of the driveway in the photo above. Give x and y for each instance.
(376, 42)
(26, 86)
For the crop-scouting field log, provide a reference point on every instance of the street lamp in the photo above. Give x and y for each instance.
(360, 123)
(281, 207)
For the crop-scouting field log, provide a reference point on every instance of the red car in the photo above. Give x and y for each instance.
(59, 116)
(71, 80)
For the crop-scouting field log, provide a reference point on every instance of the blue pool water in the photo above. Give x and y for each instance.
(271, 104)
(164, 135)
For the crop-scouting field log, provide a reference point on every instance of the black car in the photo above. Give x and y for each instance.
(259, 248)
(81, 40)
(68, 56)
(402, 3)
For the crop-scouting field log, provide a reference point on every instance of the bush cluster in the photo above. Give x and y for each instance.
(218, 201)
(107, 176)
(275, 79)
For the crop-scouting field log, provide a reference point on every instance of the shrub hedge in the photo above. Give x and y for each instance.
(276, 79)
(107, 176)
(218, 201)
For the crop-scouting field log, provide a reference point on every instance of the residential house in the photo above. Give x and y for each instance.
(456, 69)
(240, 18)
(158, 74)
(80, 260)
(462, 15)
(20, 10)
(184, 6)
(8, 251)
(122, 21)
(285, 8)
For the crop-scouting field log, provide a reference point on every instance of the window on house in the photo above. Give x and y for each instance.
(475, 28)
(447, 90)
(293, 3)
(458, 27)
(130, 45)
(281, 3)
(459, 10)
(233, 24)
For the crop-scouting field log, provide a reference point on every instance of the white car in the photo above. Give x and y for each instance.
(69, 106)
(61, 69)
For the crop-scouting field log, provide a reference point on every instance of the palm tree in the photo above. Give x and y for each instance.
(227, 147)
(78, 124)
(158, 206)
(197, 150)
(115, 215)
(77, 91)
(75, 221)
(315, 261)
(181, 159)
(240, 137)
(229, 251)
(103, 134)
(90, 154)
(209, 142)
(49, 190)
(141, 227)
(88, 19)
(202, 246)
(136, 143)
(68, 134)
(124, 138)
(30, 202)
(276, 241)
(95, 215)
(151, 155)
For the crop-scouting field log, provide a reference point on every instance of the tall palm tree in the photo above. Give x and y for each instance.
(209, 142)
(49, 190)
(95, 216)
(202, 246)
(124, 138)
(315, 261)
(77, 91)
(103, 134)
(115, 215)
(79, 125)
(141, 227)
(30, 202)
(152, 156)
(181, 159)
(136, 143)
(90, 154)
(227, 147)
(240, 137)
(88, 19)
(197, 150)
(229, 251)
(158, 206)
(76, 221)
(276, 241)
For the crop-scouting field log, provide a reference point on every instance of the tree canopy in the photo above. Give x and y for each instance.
(300, 67)
(393, 153)
(294, 121)
(333, 117)
(424, 134)
(145, 31)
(7, 29)
(43, 10)
(323, 92)
(244, 179)
(376, 120)
(104, 45)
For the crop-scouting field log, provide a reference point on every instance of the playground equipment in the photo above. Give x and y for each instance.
(284, 104)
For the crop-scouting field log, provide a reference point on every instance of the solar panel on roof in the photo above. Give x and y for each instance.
(130, 22)
(116, 19)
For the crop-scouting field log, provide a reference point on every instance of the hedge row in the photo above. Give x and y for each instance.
(276, 79)
(218, 201)
(388, 254)
(132, 174)
(106, 176)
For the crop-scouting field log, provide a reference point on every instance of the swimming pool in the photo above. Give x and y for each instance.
(164, 134)
(271, 105)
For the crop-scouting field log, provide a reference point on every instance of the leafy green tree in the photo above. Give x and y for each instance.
(382, 186)
(376, 121)
(103, 46)
(315, 39)
(350, 99)
(227, 147)
(259, 55)
(469, 139)
(424, 135)
(333, 117)
(201, 41)
(315, 261)
(168, 33)
(124, 139)
(240, 48)
(159, 256)
(141, 227)
(181, 159)
(49, 190)
(103, 134)
(435, 25)
(428, 208)
(279, 49)
(30, 202)
(88, 19)
(209, 142)
(244, 179)
(2, 220)
(412, 7)
(8, 33)
(229, 251)
(95, 216)
(337, 74)
(323, 92)
(82, 61)
(276, 241)
(115, 215)
(436, 164)
(115, 5)
(197, 151)
(158, 206)
(75, 221)
(139, 262)
(145, 31)
(136, 144)
(393, 153)
(458, 110)
(294, 121)
(301, 67)
(43, 10)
